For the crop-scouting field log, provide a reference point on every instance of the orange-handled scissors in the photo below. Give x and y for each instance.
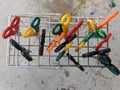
(106, 20)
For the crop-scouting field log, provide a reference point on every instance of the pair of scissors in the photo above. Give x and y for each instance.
(103, 41)
(12, 29)
(24, 52)
(97, 34)
(70, 57)
(59, 29)
(32, 29)
(62, 26)
(61, 54)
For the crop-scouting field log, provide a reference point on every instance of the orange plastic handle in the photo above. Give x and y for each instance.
(106, 20)
(57, 39)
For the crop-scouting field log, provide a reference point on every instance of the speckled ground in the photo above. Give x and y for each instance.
(65, 78)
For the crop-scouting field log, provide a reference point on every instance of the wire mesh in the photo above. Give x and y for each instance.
(15, 59)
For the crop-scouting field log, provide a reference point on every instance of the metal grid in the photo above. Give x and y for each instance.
(14, 57)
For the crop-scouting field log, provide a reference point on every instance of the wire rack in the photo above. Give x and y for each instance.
(15, 59)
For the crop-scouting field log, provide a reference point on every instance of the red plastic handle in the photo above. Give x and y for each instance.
(12, 29)
(74, 29)
(102, 42)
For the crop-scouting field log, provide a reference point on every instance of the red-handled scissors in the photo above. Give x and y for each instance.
(12, 29)
(74, 29)
(102, 42)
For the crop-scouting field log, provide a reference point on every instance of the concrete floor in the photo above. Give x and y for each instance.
(65, 78)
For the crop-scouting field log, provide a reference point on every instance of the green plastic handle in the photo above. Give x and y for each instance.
(35, 24)
(100, 34)
(60, 55)
(57, 29)
(113, 69)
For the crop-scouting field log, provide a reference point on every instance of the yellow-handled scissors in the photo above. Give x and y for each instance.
(92, 25)
(32, 29)
(65, 20)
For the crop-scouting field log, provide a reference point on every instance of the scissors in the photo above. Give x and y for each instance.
(59, 29)
(24, 52)
(32, 29)
(41, 44)
(106, 61)
(64, 51)
(97, 34)
(70, 57)
(62, 26)
(12, 29)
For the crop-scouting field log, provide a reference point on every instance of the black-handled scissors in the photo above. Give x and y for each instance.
(24, 52)
(75, 62)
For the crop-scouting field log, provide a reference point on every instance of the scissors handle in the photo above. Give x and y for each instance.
(15, 22)
(74, 29)
(102, 42)
(104, 59)
(24, 52)
(65, 20)
(62, 45)
(99, 52)
(26, 55)
(12, 29)
(91, 25)
(35, 24)
(57, 29)
(100, 34)
(113, 69)
(41, 45)
(74, 61)
(15, 44)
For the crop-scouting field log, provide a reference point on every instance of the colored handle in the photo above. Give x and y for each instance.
(65, 20)
(15, 22)
(102, 42)
(62, 45)
(89, 36)
(74, 29)
(57, 29)
(74, 61)
(35, 24)
(68, 46)
(104, 59)
(91, 25)
(15, 44)
(113, 69)
(12, 29)
(24, 52)
(26, 55)
(57, 39)
(28, 32)
(81, 45)
(41, 46)
(111, 16)
(61, 54)
(90, 54)
(100, 34)
(99, 52)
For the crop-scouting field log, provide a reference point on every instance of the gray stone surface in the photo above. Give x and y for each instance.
(53, 79)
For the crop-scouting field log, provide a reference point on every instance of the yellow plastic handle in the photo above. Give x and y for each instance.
(65, 20)
(81, 45)
(68, 46)
(91, 25)
(28, 32)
